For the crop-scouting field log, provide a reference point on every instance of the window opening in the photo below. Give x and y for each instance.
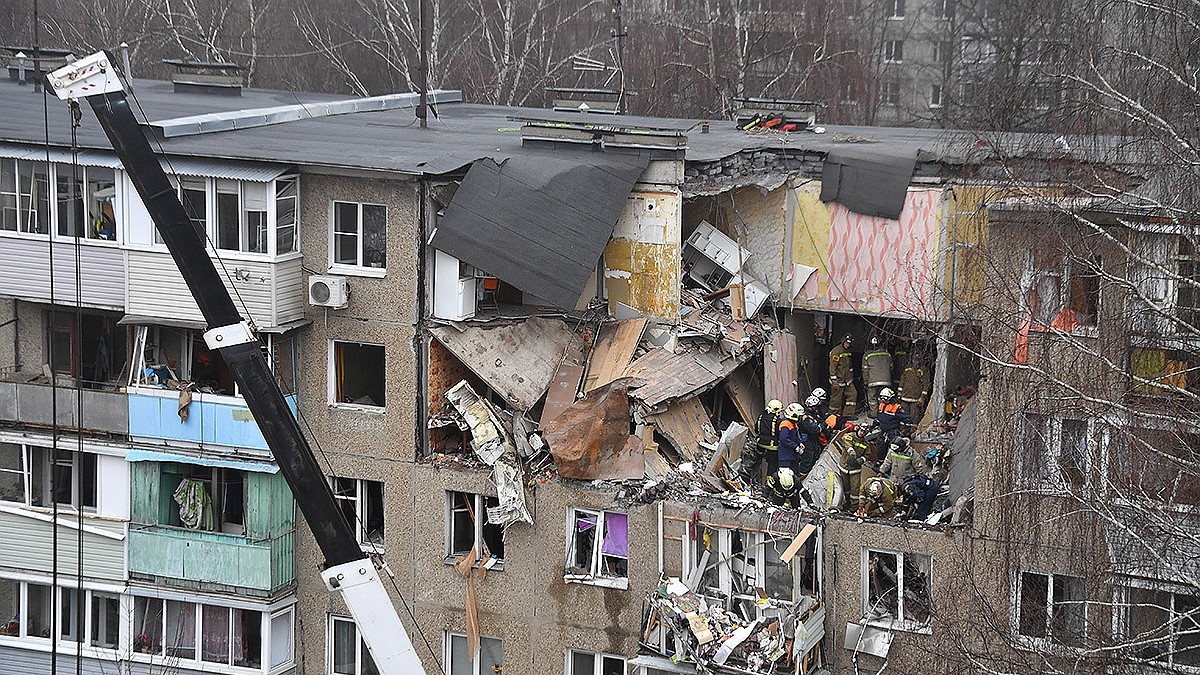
(359, 374)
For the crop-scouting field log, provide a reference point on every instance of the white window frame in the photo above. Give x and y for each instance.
(1120, 619)
(1051, 479)
(361, 511)
(360, 648)
(935, 95)
(332, 377)
(26, 203)
(266, 613)
(1048, 642)
(49, 460)
(360, 268)
(893, 623)
(597, 664)
(595, 575)
(211, 229)
(448, 636)
(1065, 273)
(479, 506)
(896, 10)
(945, 10)
(893, 51)
(57, 596)
(760, 547)
(90, 202)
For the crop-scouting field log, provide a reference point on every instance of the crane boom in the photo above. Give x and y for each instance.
(347, 571)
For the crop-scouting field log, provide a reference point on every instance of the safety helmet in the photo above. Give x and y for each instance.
(848, 426)
(933, 452)
(812, 402)
(787, 479)
(887, 394)
(849, 338)
(875, 489)
(794, 410)
(775, 405)
(820, 393)
(874, 340)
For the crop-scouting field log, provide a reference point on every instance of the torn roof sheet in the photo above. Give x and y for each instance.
(962, 451)
(870, 181)
(540, 221)
(517, 360)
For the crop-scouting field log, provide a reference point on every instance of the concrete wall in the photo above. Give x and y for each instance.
(374, 444)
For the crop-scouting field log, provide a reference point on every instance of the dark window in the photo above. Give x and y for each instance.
(359, 374)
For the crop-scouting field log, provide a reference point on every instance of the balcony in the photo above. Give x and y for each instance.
(212, 419)
(182, 555)
(29, 400)
(27, 533)
(244, 543)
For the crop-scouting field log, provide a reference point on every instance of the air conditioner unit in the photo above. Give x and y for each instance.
(327, 291)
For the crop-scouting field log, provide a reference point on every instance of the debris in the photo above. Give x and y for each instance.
(590, 439)
(487, 434)
(510, 490)
(615, 346)
(686, 425)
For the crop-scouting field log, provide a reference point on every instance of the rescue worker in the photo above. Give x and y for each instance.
(766, 433)
(900, 357)
(843, 395)
(918, 493)
(791, 438)
(878, 498)
(783, 490)
(852, 453)
(816, 434)
(894, 421)
(877, 372)
(914, 387)
(935, 464)
(899, 465)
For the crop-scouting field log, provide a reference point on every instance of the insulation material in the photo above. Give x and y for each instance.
(686, 425)
(810, 240)
(516, 360)
(590, 439)
(510, 490)
(779, 367)
(614, 350)
(875, 264)
(487, 435)
(642, 262)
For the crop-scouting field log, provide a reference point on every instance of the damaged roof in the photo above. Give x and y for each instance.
(458, 133)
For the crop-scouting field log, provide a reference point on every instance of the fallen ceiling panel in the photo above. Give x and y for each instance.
(516, 360)
(686, 425)
(539, 221)
(665, 375)
(615, 346)
(590, 439)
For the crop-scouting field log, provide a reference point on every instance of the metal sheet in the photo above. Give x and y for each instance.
(517, 360)
(562, 391)
(614, 350)
(539, 221)
(685, 424)
(590, 440)
(218, 462)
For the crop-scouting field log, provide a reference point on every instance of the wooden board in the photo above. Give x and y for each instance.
(684, 424)
(747, 398)
(794, 547)
(614, 350)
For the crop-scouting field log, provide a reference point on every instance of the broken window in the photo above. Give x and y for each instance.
(897, 589)
(359, 236)
(361, 502)
(738, 563)
(458, 658)
(1061, 294)
(580, 662)
(348, 654)
(89, 346)
(1054, 453)
(1052, 607)
(597, 546)
(1073, 452)
(358, 374)
(1162, 626)
(468, 523)
(1187, 295)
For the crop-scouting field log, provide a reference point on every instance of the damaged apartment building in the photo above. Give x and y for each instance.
(528, 347)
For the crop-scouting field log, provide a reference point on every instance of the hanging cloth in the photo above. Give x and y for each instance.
(195, 506)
